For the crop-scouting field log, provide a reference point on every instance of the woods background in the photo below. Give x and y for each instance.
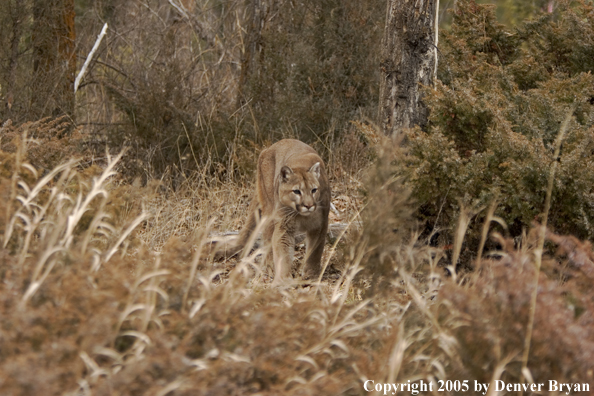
(183, 82)
(109, 196)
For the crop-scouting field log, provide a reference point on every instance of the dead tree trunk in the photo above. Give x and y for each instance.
(54, 61)
(409, 59)
(18, 17)
(255, 18)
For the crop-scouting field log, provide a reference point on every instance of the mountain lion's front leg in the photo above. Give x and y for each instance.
(283, 250)
(315, 241)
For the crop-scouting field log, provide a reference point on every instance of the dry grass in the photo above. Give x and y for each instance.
(106, 289)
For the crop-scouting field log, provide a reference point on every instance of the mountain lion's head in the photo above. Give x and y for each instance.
(299, 189)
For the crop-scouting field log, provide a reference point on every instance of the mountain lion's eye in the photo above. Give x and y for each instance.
(314, 190)
(297, 192)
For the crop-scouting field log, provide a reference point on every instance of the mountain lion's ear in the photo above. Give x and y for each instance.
(285, 172)
(315, 169)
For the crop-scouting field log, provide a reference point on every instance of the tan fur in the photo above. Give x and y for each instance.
(293, 193)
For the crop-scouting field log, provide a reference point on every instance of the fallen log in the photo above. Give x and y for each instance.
(219, 241)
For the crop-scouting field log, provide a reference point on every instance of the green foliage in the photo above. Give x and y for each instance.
(513, 12)
(509, 12)
(495, 113)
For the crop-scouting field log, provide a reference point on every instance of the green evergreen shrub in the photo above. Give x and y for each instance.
(496, 110)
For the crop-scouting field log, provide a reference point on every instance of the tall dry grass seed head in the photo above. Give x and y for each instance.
(57, 296)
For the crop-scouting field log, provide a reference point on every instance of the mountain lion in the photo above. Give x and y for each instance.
(293, 194)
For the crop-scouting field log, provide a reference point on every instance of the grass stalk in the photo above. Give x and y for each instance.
(195, 261)
(20, 153)
(124, 235)
(334, 245)
(541, 238)
(463, 221)
(81, 207)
